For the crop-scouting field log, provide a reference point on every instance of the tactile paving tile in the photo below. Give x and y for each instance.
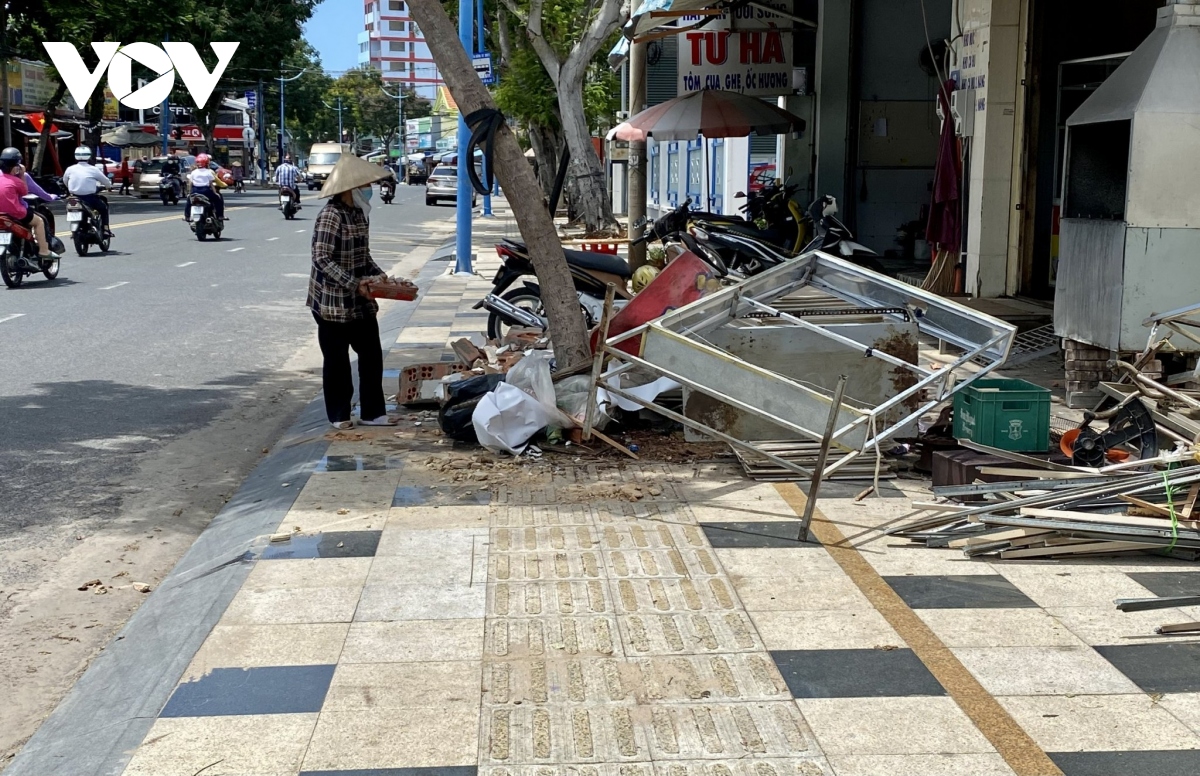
(642, 595)
(693, 633)
(551, 637)
(535, 599)
(521, 515)
(794, 766)
(534, 566)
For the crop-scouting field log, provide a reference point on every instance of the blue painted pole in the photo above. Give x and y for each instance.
(462, 244)
(482, 47)
(164, 123)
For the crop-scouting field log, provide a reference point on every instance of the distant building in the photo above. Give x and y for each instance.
(392, 43)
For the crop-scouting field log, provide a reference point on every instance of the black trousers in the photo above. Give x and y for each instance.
(336, 340)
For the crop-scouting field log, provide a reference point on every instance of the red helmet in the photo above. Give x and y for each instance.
(201, 160)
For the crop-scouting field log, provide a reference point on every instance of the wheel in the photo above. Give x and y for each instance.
(200, 233)
(525, 297)
(430, 202)
(81, 244)
(105, 241)
(166, 200)
(51, 272)
(11, 274)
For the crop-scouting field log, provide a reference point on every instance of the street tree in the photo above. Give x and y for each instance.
(567, 36)
(520, 186)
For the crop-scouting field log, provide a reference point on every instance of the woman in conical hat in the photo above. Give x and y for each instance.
(338, 295)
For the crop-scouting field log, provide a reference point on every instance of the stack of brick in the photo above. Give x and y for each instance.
(1086, 367)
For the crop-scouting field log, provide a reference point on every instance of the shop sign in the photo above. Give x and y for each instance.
(747, 51)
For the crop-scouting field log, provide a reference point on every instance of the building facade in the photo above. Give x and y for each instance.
(392, 43)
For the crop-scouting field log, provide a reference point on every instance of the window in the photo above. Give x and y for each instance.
(716, 193)
(655, 170)
(397, 65)
(395, 5)
(362, 46)
(396, 26)
(394, 46)
(673, 173)
(695, 170)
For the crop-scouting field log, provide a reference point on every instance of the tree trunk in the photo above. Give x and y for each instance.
(586, 175)
(520, 186)
(39, 156)
(547, 147)
(95, 112)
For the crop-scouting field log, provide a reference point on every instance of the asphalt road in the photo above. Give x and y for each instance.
(126, 350)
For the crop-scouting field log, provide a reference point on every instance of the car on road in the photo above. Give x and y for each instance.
(145, 184)
(321, 159)
(442, 184)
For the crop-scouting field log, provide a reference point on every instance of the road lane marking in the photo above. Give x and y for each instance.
(269, 239)
(295, 275)
(10, 316)
(176, 217)
(186, 264)
(114, 285)
(235, 250)
(298, 231)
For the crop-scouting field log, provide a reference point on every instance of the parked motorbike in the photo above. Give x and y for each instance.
(511, 304)
(87, 228)
(287, 202)
(387, 190)
(202, 219)
(19, 256)
(170, 189)
(835, 238)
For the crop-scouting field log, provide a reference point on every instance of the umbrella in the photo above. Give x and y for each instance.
(624, 131)
(712, 113)
(123, 136)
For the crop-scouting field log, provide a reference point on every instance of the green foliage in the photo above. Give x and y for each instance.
(525, 90)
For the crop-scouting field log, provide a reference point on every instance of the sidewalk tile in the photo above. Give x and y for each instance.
(1043, 671)
(452, 570)
(855, 673)
(1158, 667)
(775, 562)
(430, 543)
(817, 590)
(404, 685)
(327, 544)
(1053, 586)
(403, 601)
(1168, 583)
(254, 646)
(459, 770)
(970, 591)
(294, 605)
(426, 518)
(248, 691)
(1162, 763)
(394, 738)
(826, 630)
(891, 726)
(1109, 625)
(264, 745)
(753, 534)
(920, 765)
(308, 573)
(997, 628)
(413, 641)
(1099, 723)
(549, 636)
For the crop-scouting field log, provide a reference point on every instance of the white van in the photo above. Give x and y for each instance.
(321, 159)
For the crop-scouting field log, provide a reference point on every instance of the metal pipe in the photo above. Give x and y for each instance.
(1153, 385)
(810, 503)
(589, 417)
(462, 242)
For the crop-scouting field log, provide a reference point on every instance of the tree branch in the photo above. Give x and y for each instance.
(541, 46)
(613, 13)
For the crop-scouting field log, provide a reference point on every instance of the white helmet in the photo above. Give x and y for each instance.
(83, 153)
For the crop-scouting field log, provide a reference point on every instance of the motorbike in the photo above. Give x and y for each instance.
(19, 250)
(87, 228)
(834, 237)
(170, 189)
(239, 185)
(202, 219)
(287, 202)
(387, 191)
(511, 304)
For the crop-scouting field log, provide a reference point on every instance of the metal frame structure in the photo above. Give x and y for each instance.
(675, 346)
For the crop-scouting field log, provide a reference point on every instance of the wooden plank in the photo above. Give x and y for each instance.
(1189, 506)
(1145, 505)
(1088, 548)
(929, 506)
(996, 536)
(1004, 471)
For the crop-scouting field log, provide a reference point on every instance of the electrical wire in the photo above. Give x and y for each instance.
(929, 45)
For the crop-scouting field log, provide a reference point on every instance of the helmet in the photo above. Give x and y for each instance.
(202, 160)
(83, 153)
(642, 276)
(9, 158)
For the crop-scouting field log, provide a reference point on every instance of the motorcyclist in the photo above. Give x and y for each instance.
(170, 169)
(287, 175)
(12, 189)
(205, 182)
(85, 181)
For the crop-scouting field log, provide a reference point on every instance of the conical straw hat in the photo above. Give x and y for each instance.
(351, 173)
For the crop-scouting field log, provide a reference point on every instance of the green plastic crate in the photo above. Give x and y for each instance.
(1008, 414)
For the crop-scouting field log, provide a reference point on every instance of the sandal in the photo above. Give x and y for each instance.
(382, 420)
(342, 425)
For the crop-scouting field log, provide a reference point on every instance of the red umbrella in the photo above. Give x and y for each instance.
(711, 113)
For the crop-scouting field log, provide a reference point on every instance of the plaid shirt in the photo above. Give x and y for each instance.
(286, 174)
(341, 257)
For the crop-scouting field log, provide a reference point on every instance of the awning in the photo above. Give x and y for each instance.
(58, 135)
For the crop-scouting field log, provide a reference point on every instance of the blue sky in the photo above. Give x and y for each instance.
(333, 32)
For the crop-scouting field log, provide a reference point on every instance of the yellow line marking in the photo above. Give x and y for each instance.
(160, 219)
(1020, 751)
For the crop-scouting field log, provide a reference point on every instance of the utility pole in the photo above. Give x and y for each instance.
(261, 113)
(401, 131)
(282, 124)
(462, 245)
(164, 124)
(339, 110)
(480, 47)
(637, 155)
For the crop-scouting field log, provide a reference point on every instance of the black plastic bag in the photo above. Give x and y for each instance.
(461, 397)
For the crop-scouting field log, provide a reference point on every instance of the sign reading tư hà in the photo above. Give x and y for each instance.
(747, 50)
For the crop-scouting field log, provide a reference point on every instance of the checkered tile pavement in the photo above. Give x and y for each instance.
(415, 627)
